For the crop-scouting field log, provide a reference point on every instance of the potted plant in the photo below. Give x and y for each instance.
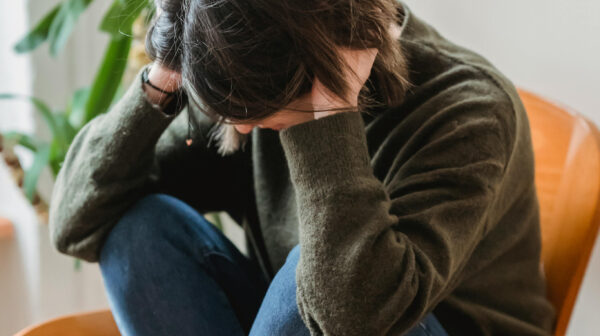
(125, 22)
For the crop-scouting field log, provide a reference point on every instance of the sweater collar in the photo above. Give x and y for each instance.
(406, 17)
(414, 29)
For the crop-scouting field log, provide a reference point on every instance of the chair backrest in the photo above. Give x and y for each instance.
(567, 167)
(96, 323)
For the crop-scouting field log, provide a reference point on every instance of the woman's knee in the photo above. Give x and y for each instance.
(278, 314)
(293, 256)
(148, 223)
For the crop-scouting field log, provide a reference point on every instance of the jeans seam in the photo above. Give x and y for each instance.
(207, 253)
(425, 329)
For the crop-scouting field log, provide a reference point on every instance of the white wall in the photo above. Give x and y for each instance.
(56, 79)
(36, 282)
(550, 47)
(15, 71)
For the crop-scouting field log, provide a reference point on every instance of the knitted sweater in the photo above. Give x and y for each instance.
(426, 206)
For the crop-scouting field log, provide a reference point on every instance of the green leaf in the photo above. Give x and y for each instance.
(56, 156)
(55, 122)
(63, 23)
(108, 77)
(118, 22)
(32, 175)
(41, 107)
(66, 129)
(76, 110)
(121, 15)
(67, 133)
(22, 139)
(37, 35)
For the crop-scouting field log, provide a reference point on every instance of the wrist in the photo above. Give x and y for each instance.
(164, 78)
(155, 94)
(170, 102)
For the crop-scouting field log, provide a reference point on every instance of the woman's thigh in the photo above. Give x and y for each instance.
(278, 313)
(168, 271)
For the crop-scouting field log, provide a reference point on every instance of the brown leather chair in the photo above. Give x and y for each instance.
(567, 167)
(95, 323)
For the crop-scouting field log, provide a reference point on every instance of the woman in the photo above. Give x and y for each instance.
(373, 207)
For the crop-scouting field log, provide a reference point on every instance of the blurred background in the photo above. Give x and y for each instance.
(82, 53)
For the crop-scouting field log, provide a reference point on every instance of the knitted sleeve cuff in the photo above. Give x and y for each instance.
(327, 151)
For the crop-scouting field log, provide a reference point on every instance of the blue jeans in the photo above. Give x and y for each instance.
(168, 271)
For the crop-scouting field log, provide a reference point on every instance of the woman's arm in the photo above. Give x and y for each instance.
(132, 150)
(376, 258)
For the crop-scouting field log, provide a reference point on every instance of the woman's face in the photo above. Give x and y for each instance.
(284, 118)
(278, 121)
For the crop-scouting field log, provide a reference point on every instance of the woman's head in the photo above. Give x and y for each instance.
(244, 60)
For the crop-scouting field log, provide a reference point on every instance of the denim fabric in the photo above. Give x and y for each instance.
(278, 314)
(168, 271)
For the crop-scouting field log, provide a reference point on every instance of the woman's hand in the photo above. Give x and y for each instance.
(360, 63)
(320, 99)
(164, 78)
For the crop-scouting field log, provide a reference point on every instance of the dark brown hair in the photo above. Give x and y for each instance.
(243, 60)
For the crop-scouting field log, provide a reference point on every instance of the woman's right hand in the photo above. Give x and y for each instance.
(164, 78)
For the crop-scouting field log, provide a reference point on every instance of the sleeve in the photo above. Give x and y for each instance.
(376, 258)
(133, 150)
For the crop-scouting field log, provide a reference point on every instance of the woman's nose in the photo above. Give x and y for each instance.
(244, 129)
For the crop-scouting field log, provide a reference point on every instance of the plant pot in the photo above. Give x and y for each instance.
(17, 172)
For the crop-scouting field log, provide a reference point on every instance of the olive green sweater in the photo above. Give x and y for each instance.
(426, 206)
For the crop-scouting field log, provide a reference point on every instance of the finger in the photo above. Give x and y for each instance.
(322, 98)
